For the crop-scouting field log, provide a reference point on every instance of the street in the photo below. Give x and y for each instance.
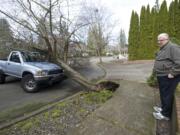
(13, 96)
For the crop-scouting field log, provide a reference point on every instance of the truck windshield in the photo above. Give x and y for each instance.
(32, 57)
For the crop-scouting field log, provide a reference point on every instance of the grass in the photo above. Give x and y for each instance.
(178, 90)
(152, 80)
(25, 126)
(178, 87)
(56, 113)
(46, 115)
(98, 97)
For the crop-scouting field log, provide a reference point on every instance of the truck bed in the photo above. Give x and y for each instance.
(5, 59)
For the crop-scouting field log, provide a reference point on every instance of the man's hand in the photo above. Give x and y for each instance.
(170, 76)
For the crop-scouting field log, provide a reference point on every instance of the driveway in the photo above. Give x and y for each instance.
(133, 71)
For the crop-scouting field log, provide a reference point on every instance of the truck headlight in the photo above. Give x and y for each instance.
(42, 73)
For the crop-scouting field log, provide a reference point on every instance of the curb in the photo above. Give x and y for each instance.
(155, 103)
(31, 114)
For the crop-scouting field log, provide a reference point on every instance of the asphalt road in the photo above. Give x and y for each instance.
(12, 95)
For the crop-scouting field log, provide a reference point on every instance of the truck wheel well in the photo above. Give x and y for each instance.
(26, 73)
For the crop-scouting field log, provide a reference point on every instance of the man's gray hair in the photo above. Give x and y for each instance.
(163, 35)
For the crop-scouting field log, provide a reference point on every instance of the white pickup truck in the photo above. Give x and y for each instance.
(32, 71)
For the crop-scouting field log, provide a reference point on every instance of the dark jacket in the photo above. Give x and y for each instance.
(168, 60)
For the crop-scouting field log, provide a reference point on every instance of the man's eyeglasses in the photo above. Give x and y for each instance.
(162, 39)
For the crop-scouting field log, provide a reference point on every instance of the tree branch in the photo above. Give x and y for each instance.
(19, 22)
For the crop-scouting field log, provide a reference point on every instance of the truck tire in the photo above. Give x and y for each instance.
(2, 78)
(29, 84)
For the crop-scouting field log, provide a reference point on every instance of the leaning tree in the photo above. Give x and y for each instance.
(51, 21)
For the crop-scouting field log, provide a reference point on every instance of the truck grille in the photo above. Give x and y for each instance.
(55, 71)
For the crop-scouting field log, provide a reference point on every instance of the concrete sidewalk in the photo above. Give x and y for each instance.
(128, 112)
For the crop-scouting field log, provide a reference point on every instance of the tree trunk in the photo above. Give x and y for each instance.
(66, 48)
(50, 51)
(55, 49)
(99, 55)
(100, 59)
(77, 76)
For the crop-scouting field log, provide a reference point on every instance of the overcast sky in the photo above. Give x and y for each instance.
(122, 9)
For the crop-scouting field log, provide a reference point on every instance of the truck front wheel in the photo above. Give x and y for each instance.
(2, 78)
(29, 84)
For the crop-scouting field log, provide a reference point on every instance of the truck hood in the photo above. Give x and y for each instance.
(44, 65)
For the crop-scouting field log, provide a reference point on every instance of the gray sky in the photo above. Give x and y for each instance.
(121, 9)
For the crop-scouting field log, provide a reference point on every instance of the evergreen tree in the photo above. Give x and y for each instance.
(148, 37)
(154, 22)
(171, 18)
(151, 30)
(142, 50)
(174, 21)
(130, 38)
(122, 40)
(133, 39)
(163, 19)
(177, 19)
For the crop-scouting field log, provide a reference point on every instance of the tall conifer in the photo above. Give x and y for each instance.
(154, 22)
(144, 30)
(163, 18)
(171, 18)
(133, 39)
(141, 50)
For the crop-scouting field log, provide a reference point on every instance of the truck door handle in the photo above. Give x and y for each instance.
(8, 63)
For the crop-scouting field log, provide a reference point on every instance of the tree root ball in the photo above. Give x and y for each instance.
(108, 85)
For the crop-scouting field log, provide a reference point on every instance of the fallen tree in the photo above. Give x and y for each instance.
(40, 18)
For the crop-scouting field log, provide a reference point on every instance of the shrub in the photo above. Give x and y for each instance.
(152, 80)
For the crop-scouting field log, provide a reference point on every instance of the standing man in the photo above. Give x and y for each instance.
(167, 69)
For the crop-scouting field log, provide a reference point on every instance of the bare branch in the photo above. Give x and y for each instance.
(20, 22)
(39, 4)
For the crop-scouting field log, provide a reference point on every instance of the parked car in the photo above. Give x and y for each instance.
(109, 54)
(31, 69)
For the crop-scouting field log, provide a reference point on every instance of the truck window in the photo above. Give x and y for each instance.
(15, 57)
(31, 57)
(26, 57)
